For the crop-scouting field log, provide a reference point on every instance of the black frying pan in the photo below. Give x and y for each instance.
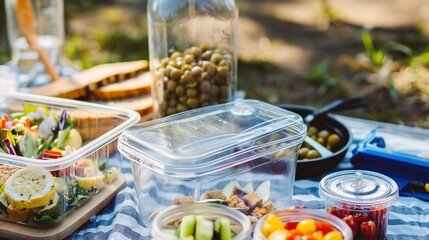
(316, 167)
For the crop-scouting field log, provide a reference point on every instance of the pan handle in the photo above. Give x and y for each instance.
(335, 105)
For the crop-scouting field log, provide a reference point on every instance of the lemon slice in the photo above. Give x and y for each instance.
(90, 183)
(30, 188)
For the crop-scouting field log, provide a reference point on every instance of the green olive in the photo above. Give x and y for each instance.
(171, 85)
(216, 58)
(171, 111)
(191, 92)
(323, 134)
(181, 108)
(164, 62)
(175, 74)
(175, 55)
(196, 71)
(196, 51)
(207, 55)
(205, 86)
(188, 59)
(180, 90)
(187, 77)
(313, 154)
(214, 90)
(333, 140)
(222, 71)
(312, 131)
(321, 140)
(204, 47)
(192, 102)
(302, 153)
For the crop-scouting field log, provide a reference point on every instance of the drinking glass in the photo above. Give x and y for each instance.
(48, 26)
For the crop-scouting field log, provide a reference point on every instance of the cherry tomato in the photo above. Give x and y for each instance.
(306, 226)
(334, 235)
(324, 227)
(290, 225)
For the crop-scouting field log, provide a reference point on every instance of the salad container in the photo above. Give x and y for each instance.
(289, 220)
(360, 198)
(169, 223)
(242, 154)
(54, 155)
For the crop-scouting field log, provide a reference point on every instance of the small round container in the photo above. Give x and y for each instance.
(164, 220)
(360, 198)
(296, 215)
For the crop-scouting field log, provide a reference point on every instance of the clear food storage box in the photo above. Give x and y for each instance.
(242, 154)
(54, 155)
(201, 221)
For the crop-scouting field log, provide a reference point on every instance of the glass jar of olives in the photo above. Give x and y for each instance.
(193, 53)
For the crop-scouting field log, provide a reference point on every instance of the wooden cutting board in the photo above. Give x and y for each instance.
(68, 224)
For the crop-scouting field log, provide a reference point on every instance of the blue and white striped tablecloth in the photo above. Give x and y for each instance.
(408, 218)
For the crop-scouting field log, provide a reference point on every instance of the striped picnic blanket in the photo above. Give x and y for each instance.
(408, 217)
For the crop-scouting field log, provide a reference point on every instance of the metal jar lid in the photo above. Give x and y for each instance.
(358, 187)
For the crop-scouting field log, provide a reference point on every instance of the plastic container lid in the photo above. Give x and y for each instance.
(358, 187)
(210, 139)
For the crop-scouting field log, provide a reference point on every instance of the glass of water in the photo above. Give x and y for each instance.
(48, 24)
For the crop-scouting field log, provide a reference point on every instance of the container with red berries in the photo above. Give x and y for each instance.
(360, 198)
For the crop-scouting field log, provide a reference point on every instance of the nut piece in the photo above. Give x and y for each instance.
(261, 211)
(215, 194)
(235, 202)
(253, 200)
(183, 200)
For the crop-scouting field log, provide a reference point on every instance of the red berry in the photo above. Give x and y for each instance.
(342, 213)
(353, 223)
(377, 213)
(332, 210)
(361, 217)
(368, 230)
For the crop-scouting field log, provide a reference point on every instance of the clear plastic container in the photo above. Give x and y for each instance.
(360, 198)
(237, 148)
(193, 53)
(170, 217)
(67, 180)
(297, 215)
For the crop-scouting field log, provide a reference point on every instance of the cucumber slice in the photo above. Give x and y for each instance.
(187, 238)
(225, 229)
(187, 226)
(203, 229)
(169, 234)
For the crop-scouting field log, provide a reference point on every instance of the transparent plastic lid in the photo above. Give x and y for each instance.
(358, 187)
(213, 138)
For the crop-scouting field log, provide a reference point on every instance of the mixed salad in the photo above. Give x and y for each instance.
(34, 195)
(38, 133)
